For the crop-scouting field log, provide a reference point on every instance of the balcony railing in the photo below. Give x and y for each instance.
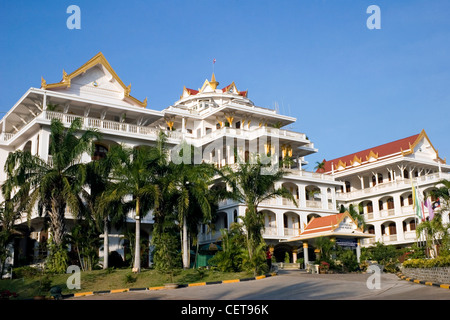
(269, 231)
(103, 125)
(434, 177)
(111, 125)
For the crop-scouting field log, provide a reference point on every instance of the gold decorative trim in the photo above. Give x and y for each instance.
(99, 58)
(372, 155)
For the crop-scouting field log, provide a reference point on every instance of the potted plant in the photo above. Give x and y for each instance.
(324, 267)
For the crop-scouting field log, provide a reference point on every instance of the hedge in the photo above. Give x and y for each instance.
(427, 263)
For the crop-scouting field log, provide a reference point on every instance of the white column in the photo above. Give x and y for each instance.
(301, 195)
(358, 250)
(305, 253)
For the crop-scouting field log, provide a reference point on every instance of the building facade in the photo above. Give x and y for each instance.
(379, 183)
(225, 126)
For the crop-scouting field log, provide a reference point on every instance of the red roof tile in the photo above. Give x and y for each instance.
(383, 150)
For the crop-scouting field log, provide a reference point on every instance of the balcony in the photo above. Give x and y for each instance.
(392, 185)
(258, 132)
(105, 126)
(111, 126)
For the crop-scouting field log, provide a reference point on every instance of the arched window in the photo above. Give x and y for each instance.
(390, 203)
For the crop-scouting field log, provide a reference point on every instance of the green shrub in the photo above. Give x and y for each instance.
(348, 260)
(25, 272)
(428, 263)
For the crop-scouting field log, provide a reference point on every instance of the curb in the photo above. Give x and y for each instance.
(427, 283)
(197, 284)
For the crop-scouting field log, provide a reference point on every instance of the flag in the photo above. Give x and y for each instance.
(436, 204)
(214, 61)
(417, 203)
(429, 205)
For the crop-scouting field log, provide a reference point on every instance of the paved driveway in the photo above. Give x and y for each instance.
(294, 285)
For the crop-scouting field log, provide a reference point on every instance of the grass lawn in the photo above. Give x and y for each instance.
(110, 279)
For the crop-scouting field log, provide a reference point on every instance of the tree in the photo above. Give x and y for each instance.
(250, 186)
(97, 206)
(191, 186)
(8, 214)
(54, 185)
(320, 166)
(135, 186)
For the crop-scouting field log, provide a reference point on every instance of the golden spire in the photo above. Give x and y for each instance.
(213, 83)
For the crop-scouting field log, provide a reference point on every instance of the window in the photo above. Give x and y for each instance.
(99, 152)
(369, 207)
(390, 203)
(392, 229)
(380, 178)
(347, 186)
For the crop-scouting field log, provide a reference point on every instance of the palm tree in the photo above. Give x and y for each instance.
(320, 166)
(251, 187)
(359, 218)
(134, 183)
(8, 214)
(53, 185)
(96, 203)
(192, 201)
(434, 231)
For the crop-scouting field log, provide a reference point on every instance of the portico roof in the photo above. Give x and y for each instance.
(336, 225)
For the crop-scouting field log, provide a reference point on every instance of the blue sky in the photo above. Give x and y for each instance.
(349, 87)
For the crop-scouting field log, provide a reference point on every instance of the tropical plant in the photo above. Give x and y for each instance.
(85, 239)
(232, 257)
(55, 185)
(320, 166)
(356, 215)
(436, 233)
(325, 247)
(8, 232)
(135, 186)
(250, 185)
(193, 205)
(97, 207)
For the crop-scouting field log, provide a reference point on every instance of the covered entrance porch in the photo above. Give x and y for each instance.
(340, 228)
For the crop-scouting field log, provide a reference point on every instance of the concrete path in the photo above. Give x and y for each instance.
(294, 285)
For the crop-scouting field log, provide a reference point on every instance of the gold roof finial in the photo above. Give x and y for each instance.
(43, 83)
(213, 83)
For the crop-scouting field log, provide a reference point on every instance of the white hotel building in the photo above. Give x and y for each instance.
(210, 117)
